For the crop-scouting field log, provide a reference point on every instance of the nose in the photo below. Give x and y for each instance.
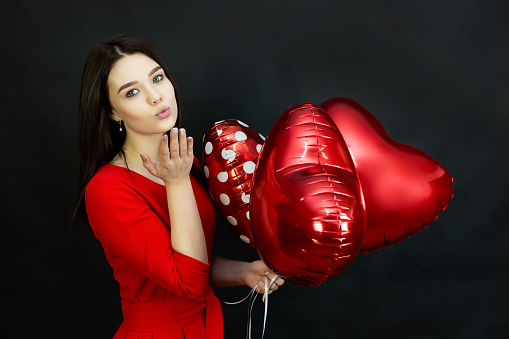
(154, 97)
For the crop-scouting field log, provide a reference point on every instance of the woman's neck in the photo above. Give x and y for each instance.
(146, 144)
(133, 147)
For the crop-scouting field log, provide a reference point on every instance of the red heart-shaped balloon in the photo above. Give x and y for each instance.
(404, 188)
(307, 215)
(230, 153)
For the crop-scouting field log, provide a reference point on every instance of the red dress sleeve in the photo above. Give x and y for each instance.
(124, 222)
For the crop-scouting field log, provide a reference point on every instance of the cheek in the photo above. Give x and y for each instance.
(172, 98)
(130, 111)
(169, 90)
(121, 107)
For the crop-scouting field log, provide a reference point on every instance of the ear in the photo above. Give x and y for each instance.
(114, 116)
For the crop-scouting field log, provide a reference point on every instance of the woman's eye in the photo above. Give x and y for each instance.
(158, 78)
(131, 93)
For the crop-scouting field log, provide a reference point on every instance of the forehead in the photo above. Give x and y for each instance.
(132, 67)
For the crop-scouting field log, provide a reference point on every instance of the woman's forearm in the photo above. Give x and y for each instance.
(186, 229)
(226, 272)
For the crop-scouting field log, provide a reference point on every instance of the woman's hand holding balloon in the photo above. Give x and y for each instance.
(226, 272)
(255, 275)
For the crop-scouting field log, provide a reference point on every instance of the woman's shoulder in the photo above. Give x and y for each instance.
(109, 176)
(113, 187)
(111, 172)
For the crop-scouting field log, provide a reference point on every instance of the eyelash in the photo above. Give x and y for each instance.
(131, 93)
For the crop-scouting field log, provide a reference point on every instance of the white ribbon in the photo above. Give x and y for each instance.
(265, 299)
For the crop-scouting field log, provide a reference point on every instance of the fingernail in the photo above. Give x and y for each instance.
(182, 131)
(174, 130)
(165, 138)
(143, 158)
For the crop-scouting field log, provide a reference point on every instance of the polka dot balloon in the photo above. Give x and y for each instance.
(230, 154)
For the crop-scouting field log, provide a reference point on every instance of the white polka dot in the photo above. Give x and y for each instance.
(206, 171)
(208, 147)
(246, 198)
(249, 167)
(243, 124)
(240, 136)
(262, 136)
(228, 154)
(219, 131)
(232, 220)
(258, 148)
(224, 199)
(244, 239)
(247, 215)
(222, 176)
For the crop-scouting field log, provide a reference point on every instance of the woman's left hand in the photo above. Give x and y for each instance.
(255, 274)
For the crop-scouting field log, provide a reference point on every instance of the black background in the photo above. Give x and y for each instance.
(435, 73)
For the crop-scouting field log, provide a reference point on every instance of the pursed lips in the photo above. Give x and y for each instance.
(163, 113)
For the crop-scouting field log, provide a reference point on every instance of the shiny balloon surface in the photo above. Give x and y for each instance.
(230, 153)
(307, 215)
(404, 188)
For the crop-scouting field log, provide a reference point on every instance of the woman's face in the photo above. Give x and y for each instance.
(141, 95)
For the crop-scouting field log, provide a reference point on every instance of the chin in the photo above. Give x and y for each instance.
(170, 124)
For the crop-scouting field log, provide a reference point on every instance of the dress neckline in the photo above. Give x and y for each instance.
(136, 173)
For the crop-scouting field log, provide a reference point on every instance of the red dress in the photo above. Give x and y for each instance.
(165, 294)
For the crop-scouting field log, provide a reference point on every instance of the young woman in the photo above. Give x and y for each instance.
(140, 189)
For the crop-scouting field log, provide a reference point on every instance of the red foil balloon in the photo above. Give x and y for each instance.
(404, 188)
(307, 215)
(230, 153)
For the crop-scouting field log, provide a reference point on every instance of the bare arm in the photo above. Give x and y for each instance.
(173, 168)
(186, 228)
(226, 272)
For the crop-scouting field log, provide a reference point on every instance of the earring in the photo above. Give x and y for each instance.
(120, 124)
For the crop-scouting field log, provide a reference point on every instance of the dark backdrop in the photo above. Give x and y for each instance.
(434, 72)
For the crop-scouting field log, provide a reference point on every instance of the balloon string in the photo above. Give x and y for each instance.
(252, 299)
(238, 302)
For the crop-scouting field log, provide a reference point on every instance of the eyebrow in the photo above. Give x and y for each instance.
(130, 83)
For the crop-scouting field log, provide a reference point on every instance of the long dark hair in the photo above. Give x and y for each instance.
(99, 138)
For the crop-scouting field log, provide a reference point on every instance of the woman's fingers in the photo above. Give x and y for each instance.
(148, 164)
(274, 279)
(179, 145)
(271, 280)
(175, 157)
(190, 147)
(174, 144)
(279, 281)
(164, 151)
(182, 143)
(261, 286)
